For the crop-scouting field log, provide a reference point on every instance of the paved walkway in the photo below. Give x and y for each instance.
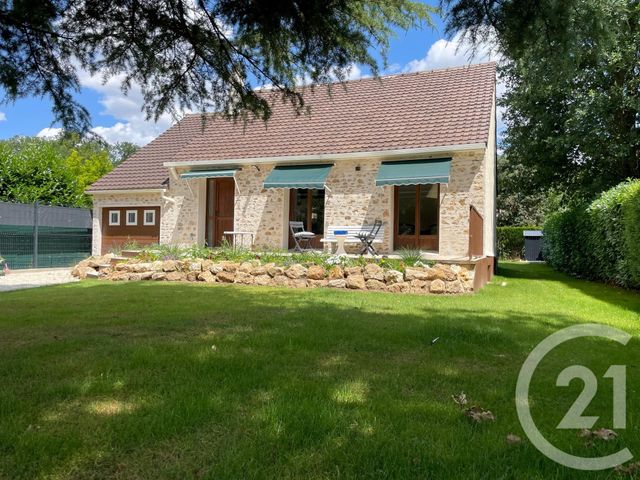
(19, 279)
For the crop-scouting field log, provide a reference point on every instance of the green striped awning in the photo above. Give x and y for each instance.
(298, 176)
(414, 172)
(229, 172)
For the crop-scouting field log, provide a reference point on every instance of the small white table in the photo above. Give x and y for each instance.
(340, 238)
(235, 234)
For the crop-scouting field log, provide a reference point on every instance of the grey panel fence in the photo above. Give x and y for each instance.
(39, 236)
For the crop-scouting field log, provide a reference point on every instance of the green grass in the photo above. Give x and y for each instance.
(161, 380)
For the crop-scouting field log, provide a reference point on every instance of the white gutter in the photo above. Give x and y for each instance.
(408, 153)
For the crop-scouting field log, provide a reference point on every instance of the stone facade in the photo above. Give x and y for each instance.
(351, 198)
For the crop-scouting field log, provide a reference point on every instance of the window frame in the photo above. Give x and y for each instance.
(112, 223)
(126, 218)
(144, 218)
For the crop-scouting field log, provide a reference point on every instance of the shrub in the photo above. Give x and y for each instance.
(600, 241)
(511, 241)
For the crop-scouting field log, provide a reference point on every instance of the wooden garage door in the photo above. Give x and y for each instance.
(120, 225)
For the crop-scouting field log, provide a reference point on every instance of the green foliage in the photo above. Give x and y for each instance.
(54, 172)
(410, 256)
(205, 55)
(572, 103)
(511, 242)
(600, 240)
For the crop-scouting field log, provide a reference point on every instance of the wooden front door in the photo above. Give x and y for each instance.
(220, 201)
(307, 206)
(417, 217)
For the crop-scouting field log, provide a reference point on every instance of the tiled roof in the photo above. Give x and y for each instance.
(407, 111)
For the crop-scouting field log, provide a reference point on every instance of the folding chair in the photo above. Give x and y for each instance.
(301, 237)
(367, 238)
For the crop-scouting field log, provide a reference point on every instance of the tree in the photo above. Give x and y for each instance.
(573, 86)
(54, 172)
(120, 151)
(191, 54)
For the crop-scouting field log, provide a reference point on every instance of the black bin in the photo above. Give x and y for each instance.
(533, 245)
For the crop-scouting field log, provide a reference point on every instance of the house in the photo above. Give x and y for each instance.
(415, 150)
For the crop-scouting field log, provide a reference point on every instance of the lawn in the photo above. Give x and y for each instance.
(164, 380)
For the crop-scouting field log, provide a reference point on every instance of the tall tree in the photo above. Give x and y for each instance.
(572, 72)
(191, 54)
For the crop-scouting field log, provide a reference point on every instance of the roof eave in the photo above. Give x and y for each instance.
(404, 154)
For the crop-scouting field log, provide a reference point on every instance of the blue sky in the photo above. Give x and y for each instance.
(118, 118)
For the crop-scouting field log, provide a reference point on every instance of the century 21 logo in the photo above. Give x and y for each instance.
(574, 419)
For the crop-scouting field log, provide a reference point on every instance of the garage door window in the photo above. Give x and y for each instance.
(132, 217)
(149, 217)
(114, 217)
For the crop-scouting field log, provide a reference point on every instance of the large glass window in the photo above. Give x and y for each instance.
(407, 209)
(307, 206)
(428, 209)
(417, 216)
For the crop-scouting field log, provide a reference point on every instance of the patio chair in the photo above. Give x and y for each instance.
(301, 237)
(367, 238)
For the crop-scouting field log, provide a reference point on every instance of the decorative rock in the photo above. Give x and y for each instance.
(281, 280)
(298, 283)
(167, 266)
(353, 271)
(416, 274)
(134, 277)
(159, 276)
(216, 268)
(259, 270)
(195, 267)
(225, 277)
(373, 271)
(229, 266)
(337, 283)
(315, 272)
(419, 284)
(356, 282)
(275, 271)
(141, 267)
(206, 276)
(296, 271)
(454, 287)
(245, 267)
(336, 273)
(156, 266)
(373, 284)
(443, 272)
(318, 283)
(244, 278)
(437, 286)
(398, 287)
(192, 276)
(393, 276)
(174, 276)
(262, 280)
(81, 271)
(206, 264)
(91, 273)
(145, 275)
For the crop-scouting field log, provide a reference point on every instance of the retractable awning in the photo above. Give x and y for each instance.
(228, 172)
(414, 172)
(298, 176)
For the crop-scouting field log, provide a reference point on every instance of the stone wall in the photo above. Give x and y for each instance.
(350, 199)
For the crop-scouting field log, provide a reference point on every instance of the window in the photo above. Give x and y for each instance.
(114, 217)
(132, 217)
(149, 217)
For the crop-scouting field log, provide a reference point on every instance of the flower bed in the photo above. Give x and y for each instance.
(356, 274)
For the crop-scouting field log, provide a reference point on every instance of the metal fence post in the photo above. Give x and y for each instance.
(35, 234)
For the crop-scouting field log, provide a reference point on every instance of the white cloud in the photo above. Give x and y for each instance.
(49, 132)
(3, 117)
(132, 124)
(452, 53)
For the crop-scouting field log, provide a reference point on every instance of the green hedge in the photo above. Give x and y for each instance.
(601, 240)
(511, 242)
